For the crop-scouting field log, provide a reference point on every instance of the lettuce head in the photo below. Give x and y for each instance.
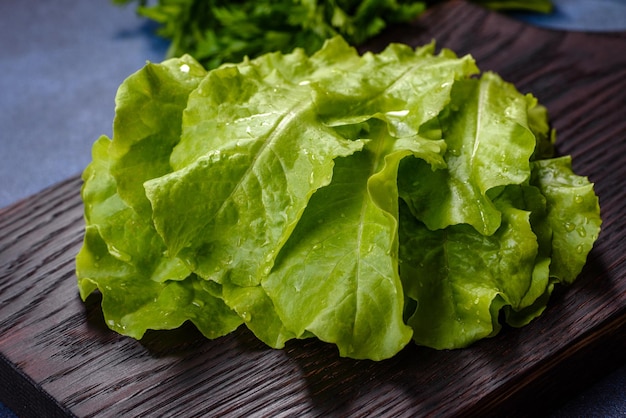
(364, 200)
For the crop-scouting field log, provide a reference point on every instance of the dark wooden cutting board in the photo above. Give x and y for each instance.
(57, 357)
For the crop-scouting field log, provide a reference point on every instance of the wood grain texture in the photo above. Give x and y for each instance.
(57, 358)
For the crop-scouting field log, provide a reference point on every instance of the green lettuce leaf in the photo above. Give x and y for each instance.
(460, 278)
(348, 262)
(147, 125)
(123, 257)
(482, 112)
(573, 214)
(229, 211)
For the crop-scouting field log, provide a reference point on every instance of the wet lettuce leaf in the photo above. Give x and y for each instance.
(364, 200)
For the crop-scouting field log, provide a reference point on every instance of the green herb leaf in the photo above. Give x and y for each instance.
(218, 31)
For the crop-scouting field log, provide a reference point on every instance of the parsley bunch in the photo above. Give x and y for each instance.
(218, 31)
